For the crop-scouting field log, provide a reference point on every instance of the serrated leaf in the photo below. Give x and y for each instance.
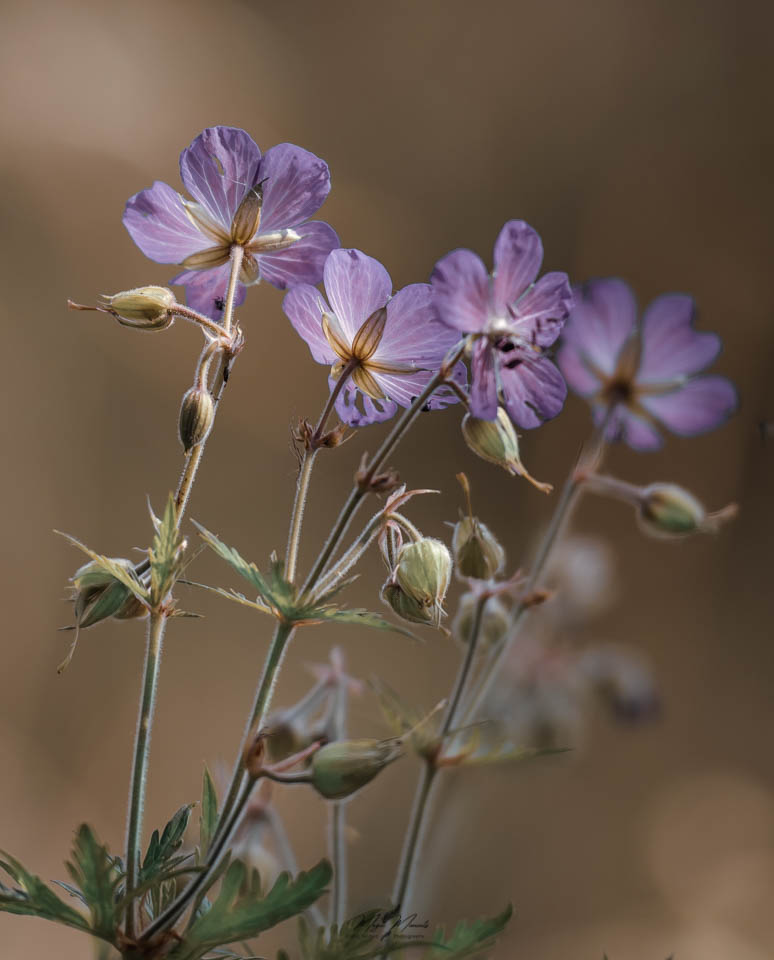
(161, 848)
(96, 876)
(363, 618)
(247, 571)
(165, 554)
(34, 899)
(240, 913)
(208, 818)
(469, 940)
(362, 937)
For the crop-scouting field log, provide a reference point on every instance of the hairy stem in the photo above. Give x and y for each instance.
(305, 474)
(389, 444)
(156, 627)
(419, 814)
(567, 499)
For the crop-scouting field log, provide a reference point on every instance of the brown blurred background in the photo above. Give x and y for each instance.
(637, 138)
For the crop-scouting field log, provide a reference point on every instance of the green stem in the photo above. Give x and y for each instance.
(567, 499)
(156, 627)
(239, 791)
(389, 444)
(305, 474)
(419, 813)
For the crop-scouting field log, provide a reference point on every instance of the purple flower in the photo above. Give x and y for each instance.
(262, 203)
(512, 319)
(393, 346)
(645, 372)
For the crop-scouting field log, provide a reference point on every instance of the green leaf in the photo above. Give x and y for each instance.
(165, 554)
(161, 848)
(364, 937)
(248, 571)
(34, 899)
(363, 618)
(469, 940)
(208, 820)
(97, 877)
(240, 913)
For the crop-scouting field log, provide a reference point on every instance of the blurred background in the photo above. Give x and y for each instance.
(637, 138)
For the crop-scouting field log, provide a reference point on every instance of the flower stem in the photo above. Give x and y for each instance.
(305, 474)
(572, 487)
(239, 791)
(156, 627)
(389, 444)
(419, 813)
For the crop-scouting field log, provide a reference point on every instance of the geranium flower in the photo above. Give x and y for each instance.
(512, 319)
(262, 203)
(393, 346)
(642, 375)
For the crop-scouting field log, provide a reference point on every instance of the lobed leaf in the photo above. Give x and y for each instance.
(208, 818)
(469, 940)
(96, 875)
(240, 912)
(33, 898)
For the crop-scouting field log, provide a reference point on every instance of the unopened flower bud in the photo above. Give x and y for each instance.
(340, 769)
(496, 441)
(495, 621)
(424, 571)
(666, 510)
(406, 607)
(477, 553)
(244, 226)
(197, 412)
(149, 304)
(100, 596)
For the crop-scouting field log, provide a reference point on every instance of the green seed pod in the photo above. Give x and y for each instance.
(150, 304)
(340, 769)
(477, 552)
(284, 737)
(407, 608)
(496, 441)
(197, 412)
(423, 572)
(494, 622)
(667, 510)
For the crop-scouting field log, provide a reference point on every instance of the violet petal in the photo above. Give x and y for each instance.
(303, 262)
(533, 390)
(159, 225)
(670, 346)
(698, 406)
(296, 185)
(483, 387)
(518, 253)
(541, 313)
(460, 286)
(303, 306)
(218, 169)
(356, 285)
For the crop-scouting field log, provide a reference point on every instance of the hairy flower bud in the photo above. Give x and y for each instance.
(100, 596)
(340, 769)
(423, 572)
(477, 552)
(495, 621)
(496, 441)
(197, 412)
(149, 304)
(666, 510)
(406, 607)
